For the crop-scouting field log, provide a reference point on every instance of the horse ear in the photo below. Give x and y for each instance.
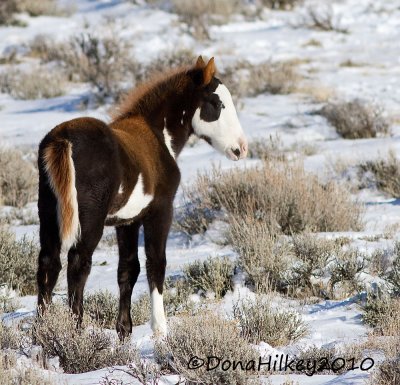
(209, 71)
(200, 62)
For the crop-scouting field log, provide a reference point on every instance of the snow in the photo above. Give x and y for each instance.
(372, 43)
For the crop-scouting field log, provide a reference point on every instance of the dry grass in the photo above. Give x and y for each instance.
(43, 7)
(259, 321)
(356, 120)
(13, 374)
(213, 275)
(199, 209)
(199, 15)
(10, 337)
(18, 262)
(247, 80)
(8, 301)
(322, 19)
(37, 83)
(177, 297)
(18, 178)
(79, 350)
(281, 4)
(384, 173)
(103, 61)
(269, 149)
(312, 256)
(102, 308)
(315, 357)
(8, 8)
(264, 257)
(388, 373)
(345, 271)
(202, 336)
(174, 58)
(285, 198)
(275, 198)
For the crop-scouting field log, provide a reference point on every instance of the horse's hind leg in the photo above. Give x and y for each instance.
(49, 264)
(80, 261)
(128, 272)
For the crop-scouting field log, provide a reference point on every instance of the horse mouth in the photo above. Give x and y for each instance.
(233, 154)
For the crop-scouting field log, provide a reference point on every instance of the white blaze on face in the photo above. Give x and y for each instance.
(226, 133)
(158, 320)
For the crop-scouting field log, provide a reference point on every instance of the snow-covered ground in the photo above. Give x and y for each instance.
(372, 42)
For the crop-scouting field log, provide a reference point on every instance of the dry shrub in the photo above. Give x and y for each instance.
(79, 349)
(199, 15)
(246, 80)
(37, 83)
(18, 178)
(103, 61)
(212, 275)
(329, 359)
(8, 301)
(345, 270)
(10, 337)
(140, 310)
(202, 336)
(286, 198)
(102, 307)
(13, 374)
(177, 297)
(144, 370)
(169, 59)
(264, 257)
(43, 7)
(281, 4)
(387, 373)
(356, 120)
(7, 10)
(322, 19)
(18, 262)
(199, 209)
(259, 321)
(269, 149)
(283, 196)
(384, 173)
(313, 254)
(394, 274)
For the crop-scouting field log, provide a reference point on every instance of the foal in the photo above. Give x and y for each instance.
(125, 175)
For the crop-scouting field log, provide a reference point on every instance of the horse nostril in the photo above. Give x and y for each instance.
(236, 152)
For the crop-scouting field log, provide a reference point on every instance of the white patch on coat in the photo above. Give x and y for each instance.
(158, 320)
(183, 114)
(226, 132)
(121, 189)
(137, 201)
(168, 142)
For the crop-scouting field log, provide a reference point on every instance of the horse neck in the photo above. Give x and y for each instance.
(171, 120)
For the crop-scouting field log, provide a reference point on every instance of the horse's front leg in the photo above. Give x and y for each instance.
(156, 229)
(128, 272)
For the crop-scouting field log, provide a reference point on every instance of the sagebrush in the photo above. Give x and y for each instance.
(206, 335)
(18, 262)
(79, 349)
(18, 178)
(259, 321)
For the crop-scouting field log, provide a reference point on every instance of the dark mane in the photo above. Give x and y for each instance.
(145, 97)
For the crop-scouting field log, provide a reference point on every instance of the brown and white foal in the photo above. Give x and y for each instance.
(125, 175)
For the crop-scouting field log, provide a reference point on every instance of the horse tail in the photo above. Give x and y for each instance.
(60, 170)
